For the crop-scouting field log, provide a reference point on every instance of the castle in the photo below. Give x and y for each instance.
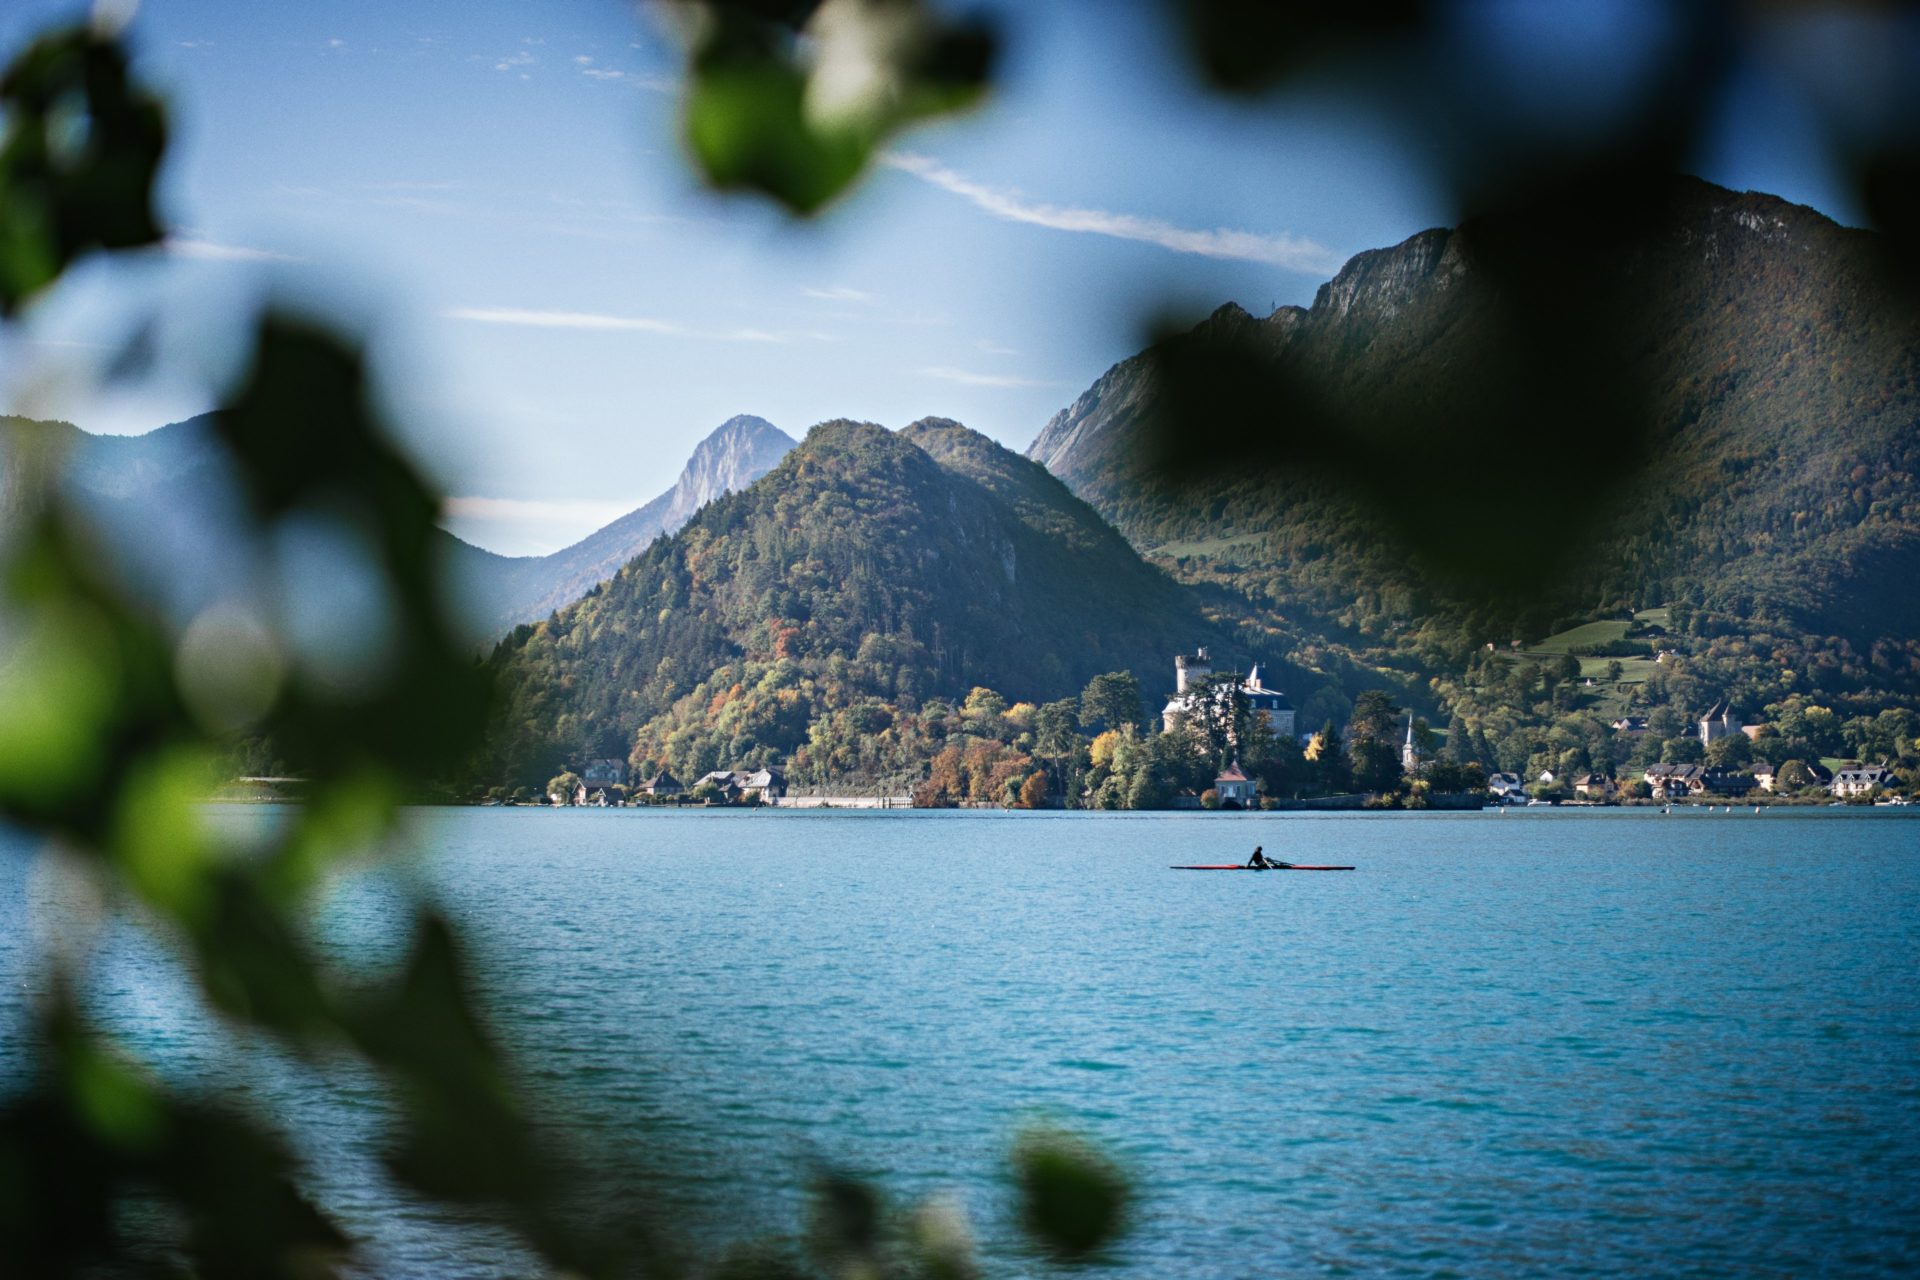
(1191, 670)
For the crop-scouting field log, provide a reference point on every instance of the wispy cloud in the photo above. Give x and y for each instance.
(968, 377)
(838, 293)
(993, 348)
(1293, 253)
(589, 320)
(191, 246)
(515, 61)
(591, 68)
(600, 322)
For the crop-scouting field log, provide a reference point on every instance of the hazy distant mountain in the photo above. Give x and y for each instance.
(164, 499)
(1726, 409)
(507, 591)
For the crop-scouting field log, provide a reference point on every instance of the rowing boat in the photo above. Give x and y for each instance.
(1236, 866)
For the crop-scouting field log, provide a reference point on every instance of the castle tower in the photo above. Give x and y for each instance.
(1190, 670)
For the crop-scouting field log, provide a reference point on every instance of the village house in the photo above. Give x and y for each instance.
(660, 785)
(603, 773)
(1718, 723)
(1630, 724)
(1503, 785)
(765, 785)
(769, 784)
(724, 779)
(1858, 782)
(1727, 782)
(1763, 775)
(1189, 671)
(1235, 788)
(1594, 786)
(1669, 780)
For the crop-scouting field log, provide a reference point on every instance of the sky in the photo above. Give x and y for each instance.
(492, 191)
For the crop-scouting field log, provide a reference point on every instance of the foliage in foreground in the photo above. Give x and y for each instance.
(117, 719)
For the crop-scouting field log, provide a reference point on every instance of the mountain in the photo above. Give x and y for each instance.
(1680, 393)
(165, 500)
(507, 591)
(868, 575)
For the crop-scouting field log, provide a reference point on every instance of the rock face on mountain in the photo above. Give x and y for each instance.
(1706, 395)
(507, 591)
(869, 568)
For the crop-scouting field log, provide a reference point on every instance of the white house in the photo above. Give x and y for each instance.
(1857, 782)
(1234, 786)
(1505, 784)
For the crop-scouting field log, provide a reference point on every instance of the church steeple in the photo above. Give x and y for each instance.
(1409, 754)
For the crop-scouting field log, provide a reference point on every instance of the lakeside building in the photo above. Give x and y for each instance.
(1503, 785)
(1728, 782)
(1668, 780)
(1190, 671)
(1858, 782)
(767, 785)
(606, 772)
(661, 784)
(1594, 786)
(1234, 787)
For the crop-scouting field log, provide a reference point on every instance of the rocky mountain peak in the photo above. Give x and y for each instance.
(1378, 284)
(734, 455)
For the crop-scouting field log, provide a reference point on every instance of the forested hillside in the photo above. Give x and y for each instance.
(1728, 414)
(812, 619)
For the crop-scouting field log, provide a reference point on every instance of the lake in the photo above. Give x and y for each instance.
(1603, 1043)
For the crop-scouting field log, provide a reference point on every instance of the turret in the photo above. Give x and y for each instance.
(1191, 669)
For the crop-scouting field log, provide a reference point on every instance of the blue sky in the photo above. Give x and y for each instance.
(492, 190)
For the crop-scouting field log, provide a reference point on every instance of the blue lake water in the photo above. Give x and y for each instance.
(1600, 1043)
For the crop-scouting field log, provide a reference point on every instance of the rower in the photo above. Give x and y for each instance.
(1258, 862)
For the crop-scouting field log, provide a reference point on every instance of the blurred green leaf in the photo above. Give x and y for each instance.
(942, 1241)
(1245, 45)
(312, 444)
(77, 164)
(792, 100)
(1073, 1199)
(845, 1228)
(96, 1132)
(89, 691)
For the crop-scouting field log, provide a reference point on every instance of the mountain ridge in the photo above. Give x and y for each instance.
(1764, 363)
(868, 574)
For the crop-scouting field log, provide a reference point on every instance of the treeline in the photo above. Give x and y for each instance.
(1095, 752)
